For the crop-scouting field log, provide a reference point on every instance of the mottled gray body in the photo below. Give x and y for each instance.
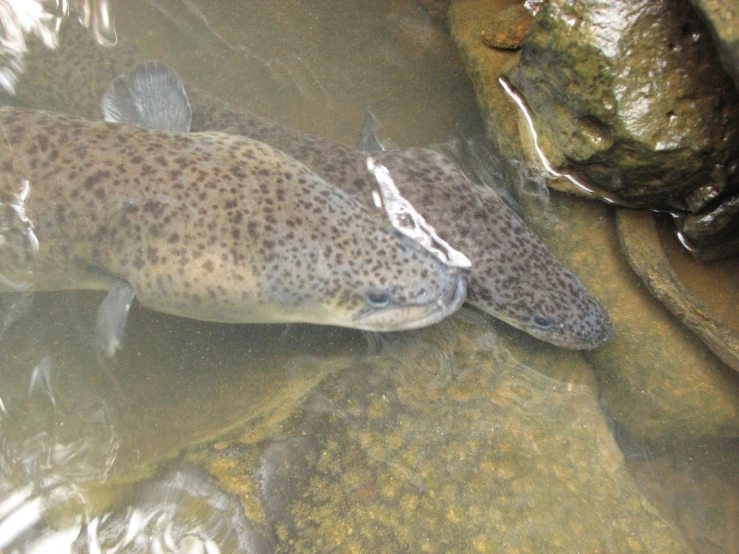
(205, 225)
(514, 277)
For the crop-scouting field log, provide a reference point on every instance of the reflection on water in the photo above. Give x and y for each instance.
(76, 427)
(319, 438)
(19, 20)
(175, 381)
(45, 467)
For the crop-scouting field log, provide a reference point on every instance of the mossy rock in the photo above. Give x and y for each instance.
(440, 444)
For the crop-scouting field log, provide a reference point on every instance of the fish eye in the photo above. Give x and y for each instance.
(541, 322)
(377, 299)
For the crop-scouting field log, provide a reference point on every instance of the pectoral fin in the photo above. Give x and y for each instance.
(112, 317)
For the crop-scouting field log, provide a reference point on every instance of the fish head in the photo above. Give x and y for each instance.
(407, 289)
(521, 282)
(537, 295)
(514, 276)
(566, 314)
(348, 266)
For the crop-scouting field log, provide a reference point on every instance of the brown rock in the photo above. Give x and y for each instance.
(630, 99)
(641, 243)
(509, 28)
(612, 108)
(390, 455)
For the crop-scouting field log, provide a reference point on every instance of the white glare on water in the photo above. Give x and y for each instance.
(20, 19)
(406, 219)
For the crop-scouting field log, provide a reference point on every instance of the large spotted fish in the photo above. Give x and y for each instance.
(209, 226)
(513, 277)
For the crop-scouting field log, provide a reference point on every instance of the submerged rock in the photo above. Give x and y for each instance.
(641, 242)
(440, 445)
(696, 488)
(657, 379)
(631, 99)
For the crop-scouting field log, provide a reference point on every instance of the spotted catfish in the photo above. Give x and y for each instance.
(209, 226)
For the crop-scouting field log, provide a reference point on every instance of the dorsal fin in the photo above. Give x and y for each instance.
(152, 96)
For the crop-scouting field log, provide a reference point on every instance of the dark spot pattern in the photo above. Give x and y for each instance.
(514, 276)
(212, 226)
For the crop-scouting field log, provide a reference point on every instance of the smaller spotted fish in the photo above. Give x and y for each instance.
(208, 226)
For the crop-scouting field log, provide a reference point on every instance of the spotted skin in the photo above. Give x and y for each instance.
(514, 277)
(209, 226)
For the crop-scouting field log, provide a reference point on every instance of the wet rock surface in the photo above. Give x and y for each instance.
(713, 233)
(435, 446)
(631, 99)
(722, 18)
(509, 28)
(656, 378)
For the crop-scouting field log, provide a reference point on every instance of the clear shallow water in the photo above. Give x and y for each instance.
(317, 66)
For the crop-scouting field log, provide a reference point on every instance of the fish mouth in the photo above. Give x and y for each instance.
(600, 334)
(402, 318)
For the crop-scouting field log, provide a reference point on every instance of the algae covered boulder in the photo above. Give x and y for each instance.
(631, 99)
